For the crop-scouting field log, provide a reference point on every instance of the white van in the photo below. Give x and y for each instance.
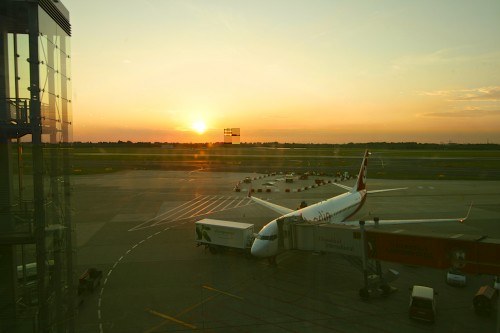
(454, 277)
(422, 303)
(496, 282)
(31, 271)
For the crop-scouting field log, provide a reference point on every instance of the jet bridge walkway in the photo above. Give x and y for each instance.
(367, 247)
(475, 254)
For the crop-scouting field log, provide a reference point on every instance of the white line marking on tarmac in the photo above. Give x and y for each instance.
(200, 205)
(218, 205)
(141, 226)
(196, 204)
(213, 203)
(186, 214)
(224, 208)
(99, 303)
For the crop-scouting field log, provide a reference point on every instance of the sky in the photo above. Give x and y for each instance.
(316, 71)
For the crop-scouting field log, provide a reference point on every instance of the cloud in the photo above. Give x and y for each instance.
(476, 94)
(482, 94)
(464, 113)
(434, 93)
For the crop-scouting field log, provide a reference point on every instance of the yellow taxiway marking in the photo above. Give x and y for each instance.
(164, 316)
(194, 306)
(221, 292)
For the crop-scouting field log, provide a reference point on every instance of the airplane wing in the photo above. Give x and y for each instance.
(387, 190)
(394, 222)
(345, 187)
(277, 208)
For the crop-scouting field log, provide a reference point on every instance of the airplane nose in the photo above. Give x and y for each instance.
(263, 247)
(258, 249)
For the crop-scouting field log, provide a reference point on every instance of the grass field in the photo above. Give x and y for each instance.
(384, 163)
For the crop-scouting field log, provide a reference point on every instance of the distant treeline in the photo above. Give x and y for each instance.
(369, 145)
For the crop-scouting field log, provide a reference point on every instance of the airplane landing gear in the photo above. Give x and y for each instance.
(272, 261)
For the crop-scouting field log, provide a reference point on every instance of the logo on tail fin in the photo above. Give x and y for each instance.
(361, 183)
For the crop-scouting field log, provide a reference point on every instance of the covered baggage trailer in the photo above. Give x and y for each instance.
(485, 301)
(89, 280)
(219, 235)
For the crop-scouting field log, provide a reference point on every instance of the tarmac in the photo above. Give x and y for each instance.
(138, 228)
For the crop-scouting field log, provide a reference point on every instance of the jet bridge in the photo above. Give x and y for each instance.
(367, 247)
(321, 237)
(476, 254)
(346, 240)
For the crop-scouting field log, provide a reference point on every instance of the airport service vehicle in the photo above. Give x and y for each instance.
(334, 211)
(27, 276)
(456, 278)
(89, 280)
(87, 283)
(28, 272)
(496, 282)
(422, 303)
(219, 235)
(485, 301)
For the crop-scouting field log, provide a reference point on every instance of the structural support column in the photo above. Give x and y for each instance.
(39, 195)
(5, 146)
(364, 292)
(7, 251)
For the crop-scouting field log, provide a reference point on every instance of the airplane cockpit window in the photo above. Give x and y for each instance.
(265, 237)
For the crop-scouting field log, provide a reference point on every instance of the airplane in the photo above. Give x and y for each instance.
(334, 210)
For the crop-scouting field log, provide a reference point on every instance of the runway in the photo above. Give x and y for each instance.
(138, 227)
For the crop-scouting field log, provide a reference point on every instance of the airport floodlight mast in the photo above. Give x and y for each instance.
(232, 136)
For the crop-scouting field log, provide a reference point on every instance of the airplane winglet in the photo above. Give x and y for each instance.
(466, 216)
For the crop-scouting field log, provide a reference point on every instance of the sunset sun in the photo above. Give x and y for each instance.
(199, 127)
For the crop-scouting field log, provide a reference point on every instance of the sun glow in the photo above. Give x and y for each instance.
(199, 127)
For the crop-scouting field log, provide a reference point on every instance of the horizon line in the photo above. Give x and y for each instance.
(279, 143)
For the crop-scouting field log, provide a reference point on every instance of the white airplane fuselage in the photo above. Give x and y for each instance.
(334, 210)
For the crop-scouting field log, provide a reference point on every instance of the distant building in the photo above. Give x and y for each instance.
(232, 136)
